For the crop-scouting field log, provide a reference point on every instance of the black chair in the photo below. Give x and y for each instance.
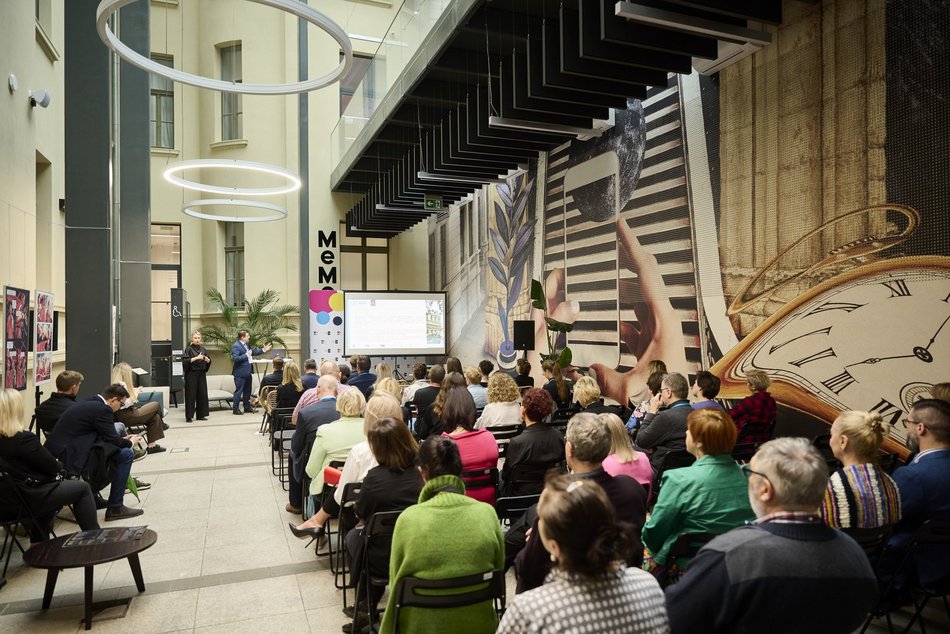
(676, 459)
(475, 479)
(509, 509)
(503, 435)
(268, 399)
(15, 512)
(888, 462)
(871, 540)
(560, 417)
(281, 431)
(756, 433)
(932, 534)
(412, 592)
(744, 452)
(338, 562)
(527, 478)
(325, 494)
(379, 527)
(685, 547)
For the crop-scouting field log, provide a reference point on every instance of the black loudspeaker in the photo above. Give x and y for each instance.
(524, 334)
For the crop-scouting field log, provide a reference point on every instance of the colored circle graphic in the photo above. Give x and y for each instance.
(320, 301)
(336, 301)
(323, 318)
(337, 321)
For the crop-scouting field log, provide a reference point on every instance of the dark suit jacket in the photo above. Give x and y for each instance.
(363, 382)
(274, 378)
(81, 426)
(664, 431)
(49, 411)
(308, 420)
(925, 494)
(242, 366)
(309, 381)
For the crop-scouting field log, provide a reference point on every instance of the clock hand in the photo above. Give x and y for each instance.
(879, 359)
(934, 338)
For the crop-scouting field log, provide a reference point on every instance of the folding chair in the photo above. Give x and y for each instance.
(509, 509)
(15, 509)
(676, 459)
(560, 417)
(503, 435)
(350, 493)
(379, 527)
(412, 592)
(932, 534)
(871, 540)
(268, 398)
(481, 479)
(328, 490)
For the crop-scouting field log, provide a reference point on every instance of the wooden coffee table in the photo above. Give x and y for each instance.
(54, 557)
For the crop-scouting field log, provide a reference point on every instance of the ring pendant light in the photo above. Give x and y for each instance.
(191, 209)
(292, 185)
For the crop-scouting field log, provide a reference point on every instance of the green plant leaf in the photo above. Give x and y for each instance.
(537, 296)
(558, 326)
(564, 359)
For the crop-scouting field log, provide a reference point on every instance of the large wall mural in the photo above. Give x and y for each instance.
(789, 214)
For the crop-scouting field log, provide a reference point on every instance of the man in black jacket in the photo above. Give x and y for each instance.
(92, 423)
(664, 430)
(49, 411)
(312, 416)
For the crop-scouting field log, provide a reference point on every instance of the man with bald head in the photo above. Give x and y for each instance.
(309, 397)
(308, 420)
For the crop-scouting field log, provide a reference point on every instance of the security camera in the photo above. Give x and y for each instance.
(40, 98)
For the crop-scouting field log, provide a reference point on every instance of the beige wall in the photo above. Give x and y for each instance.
(32, 228)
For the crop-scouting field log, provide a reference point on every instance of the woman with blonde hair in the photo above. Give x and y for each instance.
(383, 371)
(146, 415)
(504, 402)
(37, 473)
(391, 386)
(941, 392)
(755, 414)
(291, 387)
(473, 376)
(623, 458)
(195, 364)
(860, 494)
(358, 463)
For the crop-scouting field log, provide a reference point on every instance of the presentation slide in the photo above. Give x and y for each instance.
(390, 323)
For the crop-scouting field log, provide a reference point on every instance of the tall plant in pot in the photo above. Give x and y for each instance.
(262, 316)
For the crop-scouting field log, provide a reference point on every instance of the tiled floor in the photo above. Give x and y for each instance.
(224, 560)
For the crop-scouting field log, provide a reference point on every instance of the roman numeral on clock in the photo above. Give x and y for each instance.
(824, 354)
(837, 383)
(820, 331)
(888, 411)
(827, 306)
(898, 288)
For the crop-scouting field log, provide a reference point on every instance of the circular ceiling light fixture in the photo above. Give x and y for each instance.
(108, 8)
(191, 209)
(293, 181)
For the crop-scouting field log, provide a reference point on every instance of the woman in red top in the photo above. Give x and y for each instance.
(478, 448)
(755, 414)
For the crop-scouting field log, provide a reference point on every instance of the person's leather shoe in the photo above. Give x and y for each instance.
(293, 509)
(142, 485)
(188, 420)
(165, 426)
(237, 412)
(101, 503)
(121, 513)
(155, 449)
(202, 418)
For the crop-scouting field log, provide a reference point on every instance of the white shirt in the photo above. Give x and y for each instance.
(496, 414)
(410, 390)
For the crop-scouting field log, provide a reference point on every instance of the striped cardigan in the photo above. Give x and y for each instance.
(861, 496)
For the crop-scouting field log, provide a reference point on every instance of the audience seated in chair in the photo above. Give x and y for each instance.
(705, 389)
(309, 377)
(131, 414)
(654, 384)
(38, 475)
(276, 375)
(788, 572)
(588, 396)
(89, 424)
(358, 463)
(924, 487)
(478, 448)
(311, 417)
(428, 422)
(363, 380)
(486, 367)
(711, 496)
(393, 485)
(534, 451)
(426, 395)
(389, 385)
(446, 535)
(309, 397)
(334, 440)
(557, 386)
(419, 372)
(49, 411)
(664, 426)
(623, 458)
(291, 387)
(504, 407)
(860, 494)
(523, 376)
(383, 371)
(589, 588)
(479, 392)
(587, 445)
(755, 414)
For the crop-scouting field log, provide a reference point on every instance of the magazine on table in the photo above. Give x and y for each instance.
(102, 536)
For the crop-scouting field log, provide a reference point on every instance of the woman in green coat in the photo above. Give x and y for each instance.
(445, 535)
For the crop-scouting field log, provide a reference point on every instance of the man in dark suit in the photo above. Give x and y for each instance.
(925, 491)
(277, 376)
(92, 422)
(664, 430)
(241, 354)
(423, 398)
(309, 378)
(308, 420)
(364, 379)
(49, 411)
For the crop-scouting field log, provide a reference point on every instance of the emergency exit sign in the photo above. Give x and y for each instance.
(433, 202)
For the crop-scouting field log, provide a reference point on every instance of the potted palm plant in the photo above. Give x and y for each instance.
(262, 316)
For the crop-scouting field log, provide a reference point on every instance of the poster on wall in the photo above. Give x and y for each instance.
(43, 339)
(326, 325)
(16, 336)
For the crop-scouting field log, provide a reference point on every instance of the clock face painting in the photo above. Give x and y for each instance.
(875, 338)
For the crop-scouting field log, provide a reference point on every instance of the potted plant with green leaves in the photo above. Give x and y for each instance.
(262, 316)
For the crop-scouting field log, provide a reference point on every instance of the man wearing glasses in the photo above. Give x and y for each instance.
(924, 485)
(664, 425)
(785, 572)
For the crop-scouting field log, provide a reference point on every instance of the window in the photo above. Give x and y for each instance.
(234, 263)
(166, 275)
(364, 263)
(231, 105)
(350, 88)
(162, 105)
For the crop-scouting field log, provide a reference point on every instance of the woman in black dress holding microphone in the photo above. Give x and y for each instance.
(195, 364)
